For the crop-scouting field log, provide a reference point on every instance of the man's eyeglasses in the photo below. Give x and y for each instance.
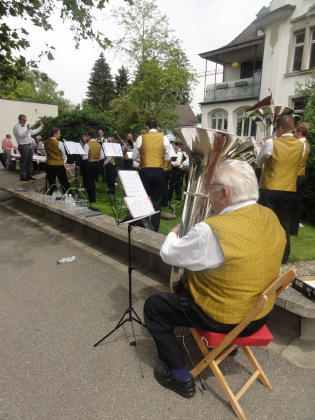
(215, 183)
(295, 131)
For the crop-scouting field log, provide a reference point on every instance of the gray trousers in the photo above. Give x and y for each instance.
(7, 158)
(26, 161)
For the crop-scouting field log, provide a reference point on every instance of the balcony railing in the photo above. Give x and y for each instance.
(234, 89)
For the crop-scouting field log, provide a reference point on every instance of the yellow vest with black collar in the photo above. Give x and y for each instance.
(280, 169)
(152, 150)
(94, 152)
(253, 242)
(53, 153)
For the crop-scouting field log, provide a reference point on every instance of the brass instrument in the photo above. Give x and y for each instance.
(265, 117)
(205, 149)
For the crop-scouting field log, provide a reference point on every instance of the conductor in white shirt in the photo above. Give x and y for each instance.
(23, 133)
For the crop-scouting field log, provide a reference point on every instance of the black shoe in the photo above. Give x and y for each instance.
(234, 352)
(23, 179)
(30, 178)
(164, 377)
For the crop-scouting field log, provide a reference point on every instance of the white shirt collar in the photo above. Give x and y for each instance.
(238, 206)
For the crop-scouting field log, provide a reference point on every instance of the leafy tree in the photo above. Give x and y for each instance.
(35, 88)
(75, 123)
(121, 82)
(163, 77)
(307, 91)
(100, 86)
(13, 40)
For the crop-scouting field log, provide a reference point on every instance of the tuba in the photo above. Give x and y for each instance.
(205, 149)
(265, 117)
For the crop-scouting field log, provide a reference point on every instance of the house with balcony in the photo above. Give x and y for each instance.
(274, 53)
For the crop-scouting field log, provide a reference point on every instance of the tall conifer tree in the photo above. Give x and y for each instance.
(100, 86)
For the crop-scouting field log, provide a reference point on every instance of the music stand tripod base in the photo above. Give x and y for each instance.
(130, 314)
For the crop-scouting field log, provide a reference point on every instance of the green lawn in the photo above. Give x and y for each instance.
(302, 246)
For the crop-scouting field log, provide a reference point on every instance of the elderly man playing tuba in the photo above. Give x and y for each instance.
(228, 260)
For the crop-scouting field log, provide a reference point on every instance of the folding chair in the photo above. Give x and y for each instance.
(216, 347)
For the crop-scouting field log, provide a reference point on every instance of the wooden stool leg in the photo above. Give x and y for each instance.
(227, 390)
(256, 366)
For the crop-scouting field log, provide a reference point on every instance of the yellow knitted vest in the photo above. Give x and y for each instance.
(53, 154)
(152, 150)
(253, 242)
(301, 170)
(95, 150)
(281, 168)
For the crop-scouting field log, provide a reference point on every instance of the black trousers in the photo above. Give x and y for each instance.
(91, 174)
(167, 175)
(60, 172)
(154, 183)
(301, 184)
(163, 311)
(175, 183)
(110, 171)
(280, 202)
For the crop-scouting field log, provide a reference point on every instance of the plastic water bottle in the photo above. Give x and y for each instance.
(67, 201)
(66, 260)
(53, 197)
(58, 195)
(71, 201)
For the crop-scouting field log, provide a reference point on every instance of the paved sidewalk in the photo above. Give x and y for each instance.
(53, 314)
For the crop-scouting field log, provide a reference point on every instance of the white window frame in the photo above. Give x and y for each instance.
(240, 115)
(296, 46)
(312, 45)
(218, 117)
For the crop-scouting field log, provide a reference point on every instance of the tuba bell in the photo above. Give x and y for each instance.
(205, 149)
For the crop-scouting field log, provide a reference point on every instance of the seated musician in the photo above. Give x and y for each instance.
(228, 260)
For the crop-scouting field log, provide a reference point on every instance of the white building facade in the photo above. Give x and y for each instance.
(270, 56)
(11, 109)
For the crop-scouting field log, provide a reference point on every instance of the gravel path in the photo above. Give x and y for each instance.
(303, 268)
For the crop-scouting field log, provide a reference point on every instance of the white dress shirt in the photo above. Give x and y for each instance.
(23, 135)
(138, 144)
(199, 249)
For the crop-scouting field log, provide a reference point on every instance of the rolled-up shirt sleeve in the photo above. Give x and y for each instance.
(198, 250)
(136, 149)
(265, 152)
(86, 148)
(62, 151)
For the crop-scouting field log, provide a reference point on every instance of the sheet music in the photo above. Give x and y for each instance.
(139, 206)
(112, 150)
(74, 148)
(132, 184)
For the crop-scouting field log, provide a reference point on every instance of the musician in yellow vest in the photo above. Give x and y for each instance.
(56, 161)
(93, 154)
(151, 149)
(277, 186)
(228, 260)
(300, 132)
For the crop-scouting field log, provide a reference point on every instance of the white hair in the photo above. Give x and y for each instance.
(239, 178)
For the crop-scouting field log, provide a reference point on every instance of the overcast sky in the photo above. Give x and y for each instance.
(201, 25)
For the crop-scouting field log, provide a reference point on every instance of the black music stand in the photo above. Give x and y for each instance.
(130, 314)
